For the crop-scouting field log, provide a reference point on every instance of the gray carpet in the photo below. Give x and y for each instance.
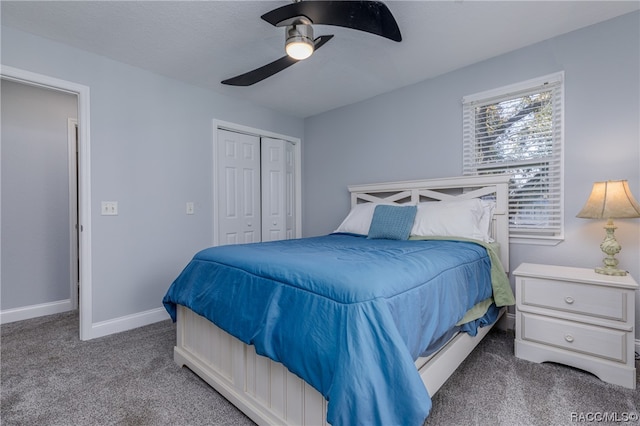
(49, 377)
(509, 391)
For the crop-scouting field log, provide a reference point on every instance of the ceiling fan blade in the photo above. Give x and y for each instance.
(259, 74)
(370, 16)
(266, 71)
(320, 41)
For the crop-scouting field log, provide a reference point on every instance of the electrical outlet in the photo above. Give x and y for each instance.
(109, 208)
(190, 207)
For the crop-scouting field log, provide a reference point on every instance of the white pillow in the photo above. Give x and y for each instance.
(487, 216)
(359, 219)
(456, 218)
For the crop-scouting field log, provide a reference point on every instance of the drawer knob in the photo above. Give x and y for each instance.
(568, 338)
(569, 300)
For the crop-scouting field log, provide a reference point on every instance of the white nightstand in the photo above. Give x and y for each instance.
(577, 317)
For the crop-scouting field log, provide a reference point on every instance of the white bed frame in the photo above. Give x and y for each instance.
(265, 390)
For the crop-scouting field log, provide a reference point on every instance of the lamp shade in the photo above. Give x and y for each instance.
(610, 200)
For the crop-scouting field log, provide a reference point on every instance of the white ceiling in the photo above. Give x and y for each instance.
(204, 42)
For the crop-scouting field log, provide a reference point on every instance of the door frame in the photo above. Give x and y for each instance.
(74, 225)
(84, 178)
(239, 128)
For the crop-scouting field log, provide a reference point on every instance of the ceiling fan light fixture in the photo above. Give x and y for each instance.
(370, 16)
(299, 42)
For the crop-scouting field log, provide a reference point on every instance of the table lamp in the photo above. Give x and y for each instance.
(610, 200)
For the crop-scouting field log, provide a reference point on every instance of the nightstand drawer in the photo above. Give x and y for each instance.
(591, 300)
(601, 342)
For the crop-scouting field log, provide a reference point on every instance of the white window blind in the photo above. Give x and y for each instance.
(518, 130)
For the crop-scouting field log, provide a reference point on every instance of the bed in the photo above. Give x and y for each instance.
(333, 329)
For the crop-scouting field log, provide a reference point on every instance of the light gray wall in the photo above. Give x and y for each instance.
(35, 195)
(416, 132)
(151, 150)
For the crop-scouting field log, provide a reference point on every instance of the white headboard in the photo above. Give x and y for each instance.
(464, 187)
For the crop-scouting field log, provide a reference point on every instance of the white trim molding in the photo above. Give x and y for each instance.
(34, 311)
(128, 322)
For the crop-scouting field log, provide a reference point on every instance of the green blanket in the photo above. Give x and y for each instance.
(502, 293)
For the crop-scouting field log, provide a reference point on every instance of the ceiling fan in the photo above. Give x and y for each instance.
(369, 16)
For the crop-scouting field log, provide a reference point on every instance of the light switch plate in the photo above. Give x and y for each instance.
(190, 207)
(109, 208)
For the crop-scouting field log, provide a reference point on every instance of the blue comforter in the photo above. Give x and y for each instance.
(347, 314)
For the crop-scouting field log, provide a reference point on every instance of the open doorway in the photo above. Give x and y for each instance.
(80, 188)
(39, 201)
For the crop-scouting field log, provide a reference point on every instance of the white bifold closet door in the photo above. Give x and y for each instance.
(277, 184)
(255, 188)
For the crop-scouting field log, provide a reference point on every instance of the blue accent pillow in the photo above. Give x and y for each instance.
(392, 222)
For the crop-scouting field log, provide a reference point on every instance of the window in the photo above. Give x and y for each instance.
(518, 130)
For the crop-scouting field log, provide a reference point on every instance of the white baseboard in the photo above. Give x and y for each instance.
(128, 322)
(34, 311)
(98, 329)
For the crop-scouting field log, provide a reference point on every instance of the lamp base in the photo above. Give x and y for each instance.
(610, 247)
(611, 271)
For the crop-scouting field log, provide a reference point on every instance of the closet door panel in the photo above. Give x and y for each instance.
(277, 189)
(238, 165)
(290, 191)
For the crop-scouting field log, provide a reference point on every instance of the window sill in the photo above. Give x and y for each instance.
(539, 241)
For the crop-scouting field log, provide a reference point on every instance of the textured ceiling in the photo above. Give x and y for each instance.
(204, 42)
